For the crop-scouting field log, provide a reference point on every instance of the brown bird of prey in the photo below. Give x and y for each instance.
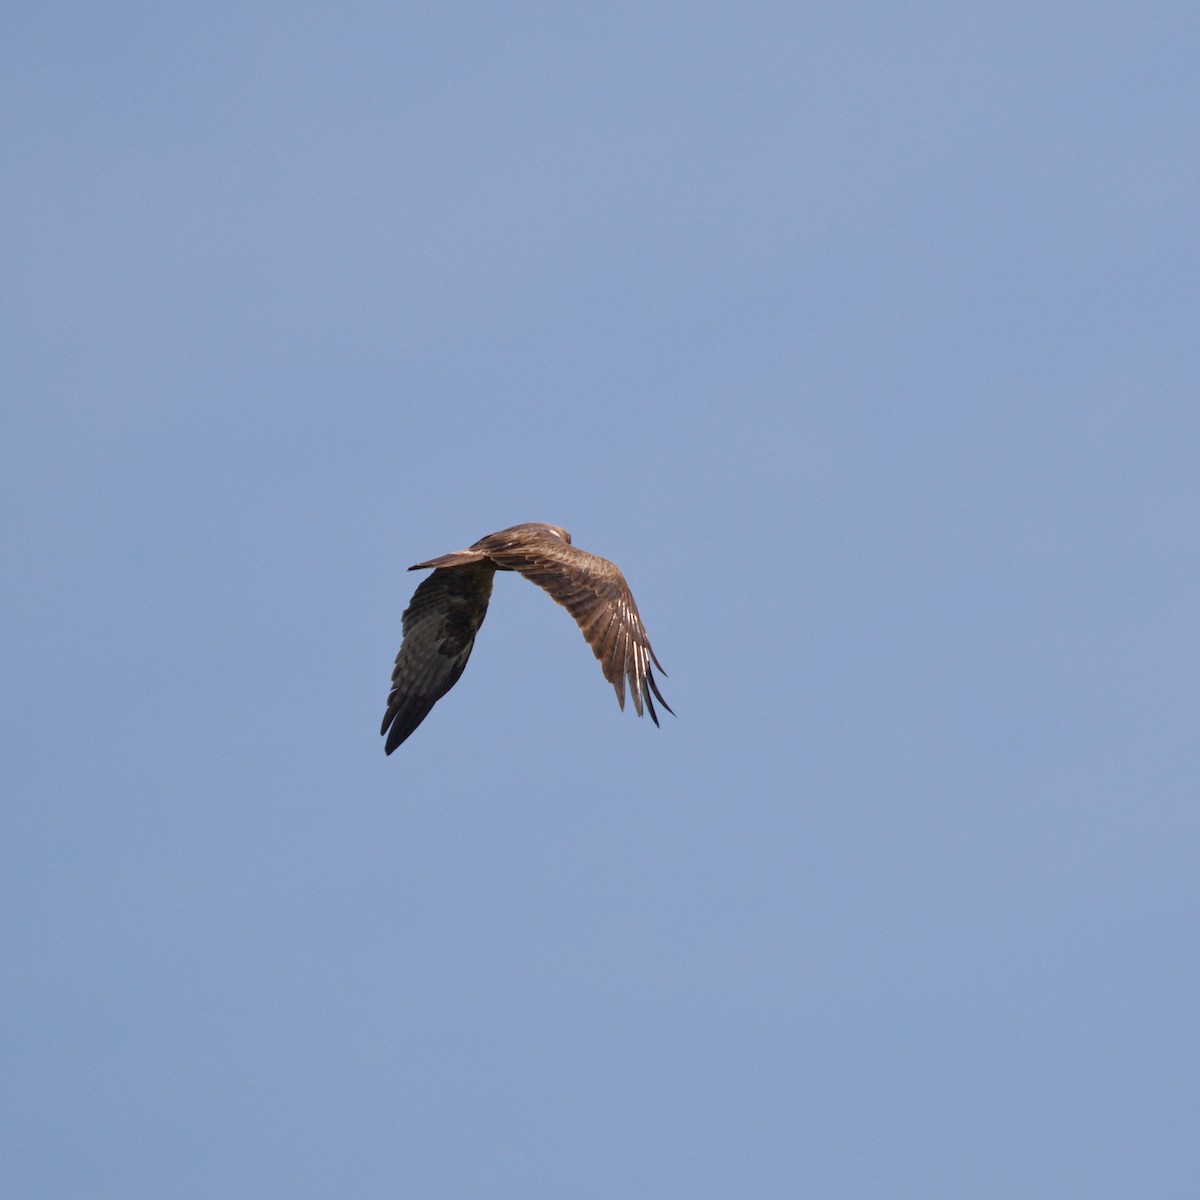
(448, 608)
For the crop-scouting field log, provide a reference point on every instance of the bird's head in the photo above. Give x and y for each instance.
(536, 527)
(516, 535)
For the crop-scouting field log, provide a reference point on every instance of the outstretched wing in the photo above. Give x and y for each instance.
(595, 593)
(440, 625)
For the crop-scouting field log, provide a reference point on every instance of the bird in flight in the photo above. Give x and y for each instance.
(448, 608)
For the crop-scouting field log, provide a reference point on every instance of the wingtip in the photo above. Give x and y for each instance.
(392, 740)
(658, 695)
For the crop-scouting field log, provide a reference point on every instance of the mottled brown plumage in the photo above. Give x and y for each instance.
(448, 608)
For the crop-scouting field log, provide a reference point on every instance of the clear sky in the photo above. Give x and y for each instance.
(865, 338)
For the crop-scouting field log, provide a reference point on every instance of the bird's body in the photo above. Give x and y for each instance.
(448, 608)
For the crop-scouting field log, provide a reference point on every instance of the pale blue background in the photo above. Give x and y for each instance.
(865, 338)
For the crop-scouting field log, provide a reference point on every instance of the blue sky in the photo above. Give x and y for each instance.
(864, 339)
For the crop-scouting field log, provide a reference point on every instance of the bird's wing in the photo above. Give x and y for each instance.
(440, 625)
(595, 593)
